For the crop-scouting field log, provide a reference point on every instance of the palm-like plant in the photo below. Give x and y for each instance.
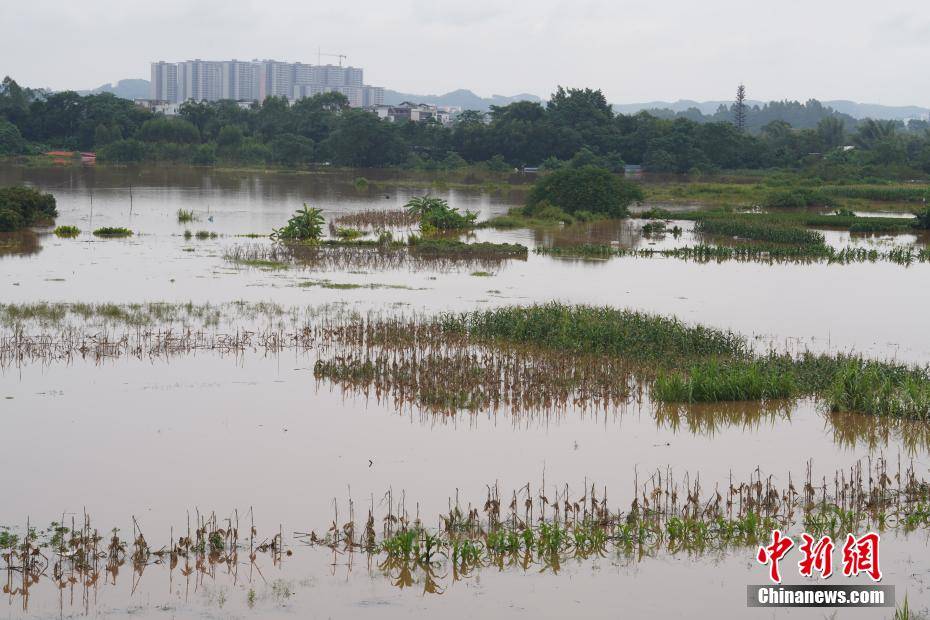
(305, 225)
(871, 132)
(436, 214)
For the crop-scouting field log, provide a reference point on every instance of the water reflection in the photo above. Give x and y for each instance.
(713, 418)
(19, 243)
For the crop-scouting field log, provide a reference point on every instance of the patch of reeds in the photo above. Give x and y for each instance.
(473, 379)
(490, 358)
(200, 234)
(542, 527)
(379, 254)
(378, 219)
(746, 252)
(74, 553)
(112, 232)
(185, 216)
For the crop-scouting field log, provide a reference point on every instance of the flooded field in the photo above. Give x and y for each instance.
(210, 387)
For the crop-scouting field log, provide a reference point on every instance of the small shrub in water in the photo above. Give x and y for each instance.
(67, 232)
(111, 231)
(435, 214)
(304, 225)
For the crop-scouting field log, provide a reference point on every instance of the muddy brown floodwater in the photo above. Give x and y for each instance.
(159, 438)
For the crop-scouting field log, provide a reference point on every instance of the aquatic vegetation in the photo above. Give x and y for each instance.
(450, 380)
(379, 219)
(540, 215)
(348, 234)
(759, 231)
(78, 555)
(715, 382)
(749, 252)
(452, 247)
(654, 228)
(472, 361)
(542, 527)
(305, 225)
(839, 219)
(67, 232)
(351, 285)
(879, 389)
(185, 215)
(46, 314)
(113, 232)
(381, 253)
(635, 336)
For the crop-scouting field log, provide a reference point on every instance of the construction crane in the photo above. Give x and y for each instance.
(319, 54)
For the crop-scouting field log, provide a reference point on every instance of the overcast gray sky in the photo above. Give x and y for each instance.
(634, 50)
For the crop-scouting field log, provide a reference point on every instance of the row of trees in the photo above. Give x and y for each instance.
(575, 124)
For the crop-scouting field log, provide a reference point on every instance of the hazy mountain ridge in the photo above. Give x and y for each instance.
(124, 89)
(852, 108)
(463, 98)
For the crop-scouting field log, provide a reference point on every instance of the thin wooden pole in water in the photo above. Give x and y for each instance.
(130, 200)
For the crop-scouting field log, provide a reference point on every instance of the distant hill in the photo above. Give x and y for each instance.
(856, 110)
(462, 98)
(125, 89)
(466, 99)
(874, 110)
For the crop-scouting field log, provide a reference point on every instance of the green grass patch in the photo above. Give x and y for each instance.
(880, 389)
(596, 329)
(436, 246)
(758, 231)
(879, 193)
(715, 381)
(67, 232)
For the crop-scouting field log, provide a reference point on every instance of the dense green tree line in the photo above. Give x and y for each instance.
(575, 127)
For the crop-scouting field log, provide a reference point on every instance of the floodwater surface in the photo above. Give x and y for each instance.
(157, 438)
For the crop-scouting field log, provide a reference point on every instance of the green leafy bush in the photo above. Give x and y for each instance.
(67, 232)
(305, 225)
(435, 214)
(24, 206)
(585, 189)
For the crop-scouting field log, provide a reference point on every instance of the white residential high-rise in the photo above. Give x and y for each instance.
(241, 80)
(277, 79)
(205, 80)
(164, 83)
(200, 80)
